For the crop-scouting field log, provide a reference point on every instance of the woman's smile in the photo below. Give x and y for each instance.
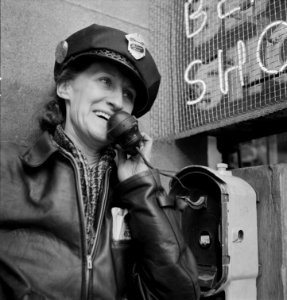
(102, 115)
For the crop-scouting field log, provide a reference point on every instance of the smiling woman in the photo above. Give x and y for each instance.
(91, 97)
(80, 218)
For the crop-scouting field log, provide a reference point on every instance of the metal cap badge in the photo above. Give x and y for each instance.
(136, 45)
(61, 51)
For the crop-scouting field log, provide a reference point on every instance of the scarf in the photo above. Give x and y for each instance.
(91, 179)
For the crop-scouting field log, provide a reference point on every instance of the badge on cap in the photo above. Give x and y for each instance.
(61, 51)
(136, 45)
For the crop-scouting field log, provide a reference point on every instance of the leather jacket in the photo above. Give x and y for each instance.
(43, 251)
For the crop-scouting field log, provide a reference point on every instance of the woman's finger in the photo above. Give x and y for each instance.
(146, 145)
(121, 156)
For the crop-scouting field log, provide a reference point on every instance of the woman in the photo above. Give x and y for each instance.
(76, 221)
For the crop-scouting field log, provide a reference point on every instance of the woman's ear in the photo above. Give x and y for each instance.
(63, 90)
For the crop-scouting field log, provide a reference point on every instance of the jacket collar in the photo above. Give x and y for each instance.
(40, 151)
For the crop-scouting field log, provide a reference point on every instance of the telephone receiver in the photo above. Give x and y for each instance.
(123, 130)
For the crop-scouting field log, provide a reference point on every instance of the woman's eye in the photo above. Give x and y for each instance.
(106, 81)
(129, 95)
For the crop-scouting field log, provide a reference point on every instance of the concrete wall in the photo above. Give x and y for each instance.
(30, 31)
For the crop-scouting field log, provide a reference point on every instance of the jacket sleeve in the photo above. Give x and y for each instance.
(165, 267)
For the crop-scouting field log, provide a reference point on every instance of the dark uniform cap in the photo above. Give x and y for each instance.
(115, 45)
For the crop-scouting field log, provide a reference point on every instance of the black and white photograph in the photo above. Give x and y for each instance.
(143, 150)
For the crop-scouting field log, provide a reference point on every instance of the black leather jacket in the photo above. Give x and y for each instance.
(42, 234)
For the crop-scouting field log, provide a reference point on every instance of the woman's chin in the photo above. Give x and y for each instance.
(100, 141)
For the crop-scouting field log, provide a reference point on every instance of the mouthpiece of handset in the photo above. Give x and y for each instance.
(123, 130)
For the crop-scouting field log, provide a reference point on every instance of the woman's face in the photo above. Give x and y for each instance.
(91, 98)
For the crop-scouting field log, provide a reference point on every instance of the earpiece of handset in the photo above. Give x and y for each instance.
(123, 130)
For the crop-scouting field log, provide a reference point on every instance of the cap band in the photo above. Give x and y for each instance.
(104, 53)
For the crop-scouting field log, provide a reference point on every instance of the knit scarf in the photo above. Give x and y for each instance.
(91, 179)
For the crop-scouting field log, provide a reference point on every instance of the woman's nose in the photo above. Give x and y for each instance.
(116, 99)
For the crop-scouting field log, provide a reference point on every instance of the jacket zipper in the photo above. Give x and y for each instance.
(82, 221)
(89, 257)
(99, 225)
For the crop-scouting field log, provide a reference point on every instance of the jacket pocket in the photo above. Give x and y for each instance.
(122, 256)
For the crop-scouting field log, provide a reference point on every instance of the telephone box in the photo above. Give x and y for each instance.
(219, 223)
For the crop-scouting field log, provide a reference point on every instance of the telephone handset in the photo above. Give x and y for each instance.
(123, 130)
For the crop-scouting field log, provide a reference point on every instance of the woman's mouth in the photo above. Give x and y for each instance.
(102, 115)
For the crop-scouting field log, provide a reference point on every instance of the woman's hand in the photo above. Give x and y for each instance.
(131, 165)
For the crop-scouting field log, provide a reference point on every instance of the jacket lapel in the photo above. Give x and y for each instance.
(40, 151)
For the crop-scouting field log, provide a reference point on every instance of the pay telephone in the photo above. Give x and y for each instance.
(219, 225)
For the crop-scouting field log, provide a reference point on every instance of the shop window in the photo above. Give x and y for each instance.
(262, 151)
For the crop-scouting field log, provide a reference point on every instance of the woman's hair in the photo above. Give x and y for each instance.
(54, 112)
